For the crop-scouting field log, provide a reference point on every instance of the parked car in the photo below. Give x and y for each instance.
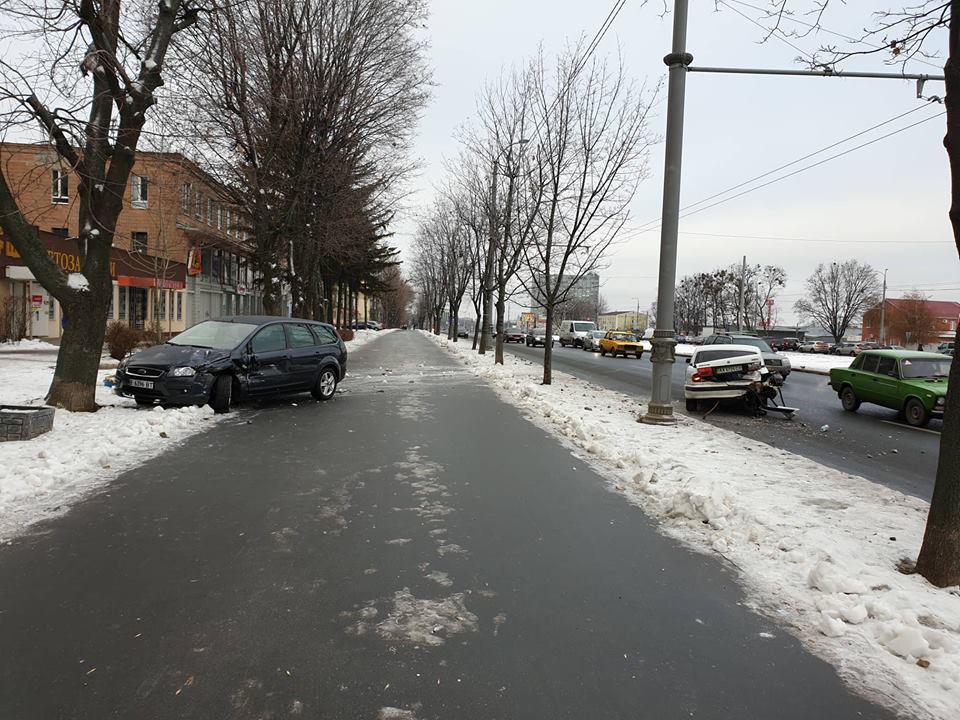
(514, 335)
(720, 371)
(592, 341)
(537, 336)
(618, 342)
(789, 343)
(696, 340)
(944, 347)
(572, 332)
(846, 348)
(913, 383)
(226, 361)
(774, 362)
(461, 333)
(814, 346)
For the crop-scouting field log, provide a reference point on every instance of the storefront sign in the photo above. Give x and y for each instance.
(194, 262)
(36, 301)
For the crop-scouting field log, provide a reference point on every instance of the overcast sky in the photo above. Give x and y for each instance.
(885, 204)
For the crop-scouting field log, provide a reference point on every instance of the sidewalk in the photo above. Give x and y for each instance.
(413, 549)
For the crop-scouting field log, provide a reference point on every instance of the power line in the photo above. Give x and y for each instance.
(643, 228)
(816, 240)
(770, 33)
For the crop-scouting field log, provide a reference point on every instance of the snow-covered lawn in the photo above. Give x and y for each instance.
(42, 477)
(816, 549)
(362, 337)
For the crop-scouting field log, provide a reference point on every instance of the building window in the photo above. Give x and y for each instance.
(185, 193)
(138, 192)
(110, 309)
(199, 206)
(179, 306)
(122, 303)
(160, 305)
(62, 232)
(219, 217)
(61, 187)
(228, 225)
(209, 211)
(51, 308)
(138, 242)
(217, 266)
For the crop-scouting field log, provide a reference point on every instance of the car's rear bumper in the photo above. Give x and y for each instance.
(715, 390)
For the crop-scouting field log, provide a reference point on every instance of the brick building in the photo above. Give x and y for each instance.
(900, 321)
(184, 244)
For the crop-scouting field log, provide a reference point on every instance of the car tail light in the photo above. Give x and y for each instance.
(753, 367)
(702, 373)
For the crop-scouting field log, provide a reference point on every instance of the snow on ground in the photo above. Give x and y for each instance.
(816, 549)
(42, 477)
(26, 346)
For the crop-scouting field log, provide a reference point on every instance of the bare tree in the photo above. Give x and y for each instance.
(102, 60)
(590, 150)
(899, 37)
(838, 294)
(911, 319)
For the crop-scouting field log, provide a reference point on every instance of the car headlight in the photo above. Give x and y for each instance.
(941, 401)
(183, 372)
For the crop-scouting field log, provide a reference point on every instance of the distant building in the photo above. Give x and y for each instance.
(583, 299)
(904, 319)
(623, 320)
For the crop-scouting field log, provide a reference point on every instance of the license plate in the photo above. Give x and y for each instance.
(145, 384)
(729, 369)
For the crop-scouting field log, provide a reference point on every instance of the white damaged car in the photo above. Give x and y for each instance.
(716, 372)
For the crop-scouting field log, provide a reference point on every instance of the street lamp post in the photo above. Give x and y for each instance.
(883, 310)
(660, 409)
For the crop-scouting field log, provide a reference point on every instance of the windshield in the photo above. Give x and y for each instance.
(624, 337)
(583, 326)
(214, 334)
(925, 367)
(597, 333)
(756, 342)
(710, 355)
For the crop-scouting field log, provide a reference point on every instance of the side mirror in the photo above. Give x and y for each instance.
(688, 360)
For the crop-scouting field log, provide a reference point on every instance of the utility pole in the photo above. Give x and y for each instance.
(743, 292)
(660, 408)
(883, 310)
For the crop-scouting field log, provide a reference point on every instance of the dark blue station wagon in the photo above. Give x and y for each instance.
(226, 361)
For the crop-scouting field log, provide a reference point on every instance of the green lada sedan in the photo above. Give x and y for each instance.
(914, 383)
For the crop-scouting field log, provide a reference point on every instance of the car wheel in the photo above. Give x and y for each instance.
(692, 404)
(603, 352)
(639, 355)
(222, 394)
(849, 399)
(326, 385)
(915, 413)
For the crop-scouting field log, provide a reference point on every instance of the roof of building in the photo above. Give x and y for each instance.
(938, 308)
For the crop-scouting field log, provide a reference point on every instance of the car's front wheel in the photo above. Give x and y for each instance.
(326, 385)
(849, 399)
(639, 355)
(603, 352)
(915, 413)
(222, 394)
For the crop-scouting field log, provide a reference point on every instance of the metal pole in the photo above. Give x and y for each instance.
(743, 293)
(826, 72)
(660, 409)
(883, 310)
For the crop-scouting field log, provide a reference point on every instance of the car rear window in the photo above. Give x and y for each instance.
(300, 336)
(583, 326)
(710, 355)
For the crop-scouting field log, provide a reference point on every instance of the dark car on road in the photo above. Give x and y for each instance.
(514, 335)
(232, 359)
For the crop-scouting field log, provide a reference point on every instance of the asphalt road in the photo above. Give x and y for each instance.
(412, 550)
(861, 443)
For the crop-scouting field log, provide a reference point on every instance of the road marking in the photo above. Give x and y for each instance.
(911, 427)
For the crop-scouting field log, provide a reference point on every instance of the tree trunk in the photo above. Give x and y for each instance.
(476, 331)
(79, 355)
(939, 559)
(487, 301)
(548, 348)
(501, 308)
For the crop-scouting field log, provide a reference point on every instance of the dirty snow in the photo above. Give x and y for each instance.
(78, 281)
(26, 346)
(42, 477)
(816, 548)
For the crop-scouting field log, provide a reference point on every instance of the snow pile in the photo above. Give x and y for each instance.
(26, 346)
(817, 362)
(817, 549)
(362, 337)
(40, 478)
(78, 281)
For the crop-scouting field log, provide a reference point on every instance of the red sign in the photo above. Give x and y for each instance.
(36, 301)
(193, 262)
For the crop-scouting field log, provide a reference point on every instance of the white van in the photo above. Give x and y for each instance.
(572, 332)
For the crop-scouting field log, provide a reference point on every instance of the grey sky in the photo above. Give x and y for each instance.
(891, 197)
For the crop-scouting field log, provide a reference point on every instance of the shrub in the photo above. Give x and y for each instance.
(121, 339)
(345, 333)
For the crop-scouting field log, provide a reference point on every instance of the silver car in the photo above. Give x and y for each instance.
(591, 342)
